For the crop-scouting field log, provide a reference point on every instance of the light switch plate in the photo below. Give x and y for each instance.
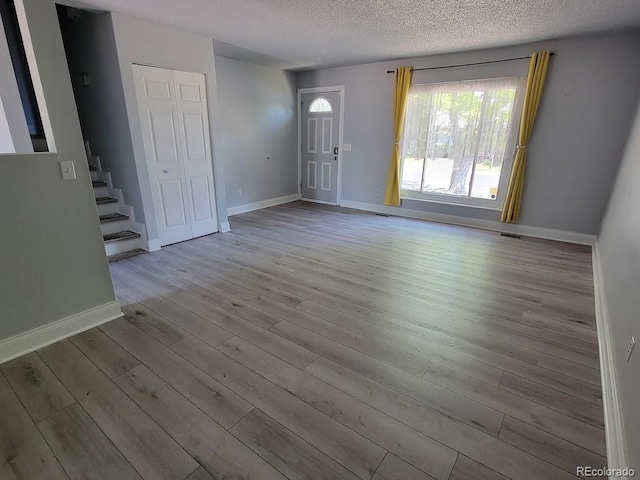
(346, 147)
(68, 170)
(632, 345)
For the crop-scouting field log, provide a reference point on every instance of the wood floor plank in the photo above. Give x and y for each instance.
(390, 354)
(287, 452)
(348, 448)
(393, 468)
(456, 435)
(144, 444)
(549, 397)
(110, 357)
(443, 400)
(288, 351)
(200, 474)
(450, 333)
(548, 447)
(261, 288)
(301, 292)
(215, 448)
(336, 294)
(158, 285)
(232, 305)
(524, 409)
(187, 320)
(82, 448)
(467, 469)
(155, 325)
(216, 400)
(572, 369)
(24, 454)
(418, 449)
(38, 389)
(432, 352)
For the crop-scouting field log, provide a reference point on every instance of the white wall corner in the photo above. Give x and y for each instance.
(40, 337)
(250, 207)
(617, 456)
(526, 230)
(225, 227)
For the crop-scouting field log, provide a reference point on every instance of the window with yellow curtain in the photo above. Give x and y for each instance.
(459, 139)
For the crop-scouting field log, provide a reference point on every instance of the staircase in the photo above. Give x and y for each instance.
(121, 234)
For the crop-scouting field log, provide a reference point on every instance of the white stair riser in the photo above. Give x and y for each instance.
(108, 208)
(113, 227)
(100, 192)
(122, 246)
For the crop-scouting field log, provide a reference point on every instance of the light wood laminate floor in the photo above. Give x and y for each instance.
(315, 342)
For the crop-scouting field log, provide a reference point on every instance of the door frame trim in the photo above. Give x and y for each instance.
(336, 88)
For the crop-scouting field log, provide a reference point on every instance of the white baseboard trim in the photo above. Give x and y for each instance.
(313, 200)
(151, 245)
(614, 426)
(250, 207)
(225, 227)
(37, 338)
(529, 231)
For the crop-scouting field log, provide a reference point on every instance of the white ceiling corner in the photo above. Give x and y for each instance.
(303, 34)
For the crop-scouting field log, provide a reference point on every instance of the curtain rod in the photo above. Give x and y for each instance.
(470, 64)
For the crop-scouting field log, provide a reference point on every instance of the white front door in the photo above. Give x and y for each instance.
(175, 129)
(320, 128)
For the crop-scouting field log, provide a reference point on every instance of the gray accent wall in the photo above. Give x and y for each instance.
(619, 255)
(142, 42)
(52, 259)
(258, 131)
(577, 143)
(90, 47)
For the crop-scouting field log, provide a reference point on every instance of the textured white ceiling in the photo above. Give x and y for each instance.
(302, 34)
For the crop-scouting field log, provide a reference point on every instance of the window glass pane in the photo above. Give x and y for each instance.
(456, 135)
(320, 105)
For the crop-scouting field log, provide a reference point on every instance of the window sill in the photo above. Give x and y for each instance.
(445, 200)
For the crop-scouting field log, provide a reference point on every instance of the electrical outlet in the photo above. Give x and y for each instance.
(630, 348)
(239, 192)
(68, 170)
(376, 192)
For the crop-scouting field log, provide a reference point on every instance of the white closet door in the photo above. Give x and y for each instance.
(155, 91)
(175, 129)
(191, 101)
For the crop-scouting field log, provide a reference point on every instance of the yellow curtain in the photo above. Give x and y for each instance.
(402, 77)
(535, 82)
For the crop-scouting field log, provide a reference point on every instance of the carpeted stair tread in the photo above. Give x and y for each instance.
(103, 200)
(113, 217)
(120, 236)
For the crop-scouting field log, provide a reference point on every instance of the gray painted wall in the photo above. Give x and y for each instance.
(577, 143)
(142, 42)
(52, 257)
(91, 49)
(258, 131)
(619, 248)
